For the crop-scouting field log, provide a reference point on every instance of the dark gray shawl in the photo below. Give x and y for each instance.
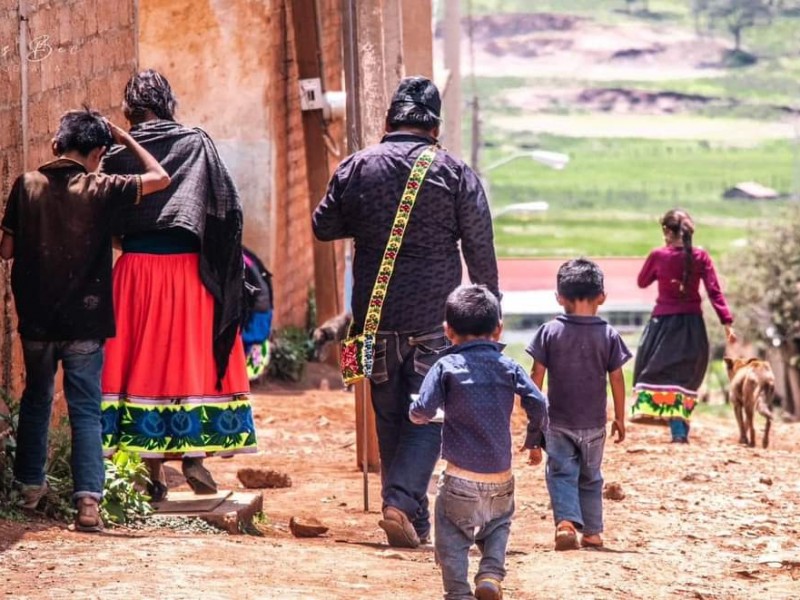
(201, 198)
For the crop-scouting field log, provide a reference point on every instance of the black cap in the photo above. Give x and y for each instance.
(421, 92)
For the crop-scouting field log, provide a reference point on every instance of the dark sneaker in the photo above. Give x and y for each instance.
(32, 495)
(488, 588)
(88, 517)
(399, 530)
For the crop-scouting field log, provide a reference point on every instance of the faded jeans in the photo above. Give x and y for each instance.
(408, 452)
(469, 512)
(573, 476)
(82, 362)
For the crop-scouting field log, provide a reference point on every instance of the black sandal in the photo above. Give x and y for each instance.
(157, 491)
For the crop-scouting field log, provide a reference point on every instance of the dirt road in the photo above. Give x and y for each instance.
(711, 520)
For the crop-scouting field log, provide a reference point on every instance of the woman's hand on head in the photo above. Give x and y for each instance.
(730, 334)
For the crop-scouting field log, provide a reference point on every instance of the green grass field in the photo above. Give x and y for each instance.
(608, 200)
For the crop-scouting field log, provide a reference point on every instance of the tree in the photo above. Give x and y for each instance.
(736, 15)
(764, 287)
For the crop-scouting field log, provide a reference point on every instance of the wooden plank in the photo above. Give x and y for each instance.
(189, 502)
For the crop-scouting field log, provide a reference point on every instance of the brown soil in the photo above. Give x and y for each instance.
(711, 520)
(564, 47)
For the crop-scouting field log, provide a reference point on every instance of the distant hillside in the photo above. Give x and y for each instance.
(650, 111)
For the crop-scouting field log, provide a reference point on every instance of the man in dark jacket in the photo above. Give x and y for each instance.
(451, 207)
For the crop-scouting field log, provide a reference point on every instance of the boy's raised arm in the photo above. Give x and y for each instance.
(154, 178)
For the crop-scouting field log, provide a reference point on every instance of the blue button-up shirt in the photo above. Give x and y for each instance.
(475, 384)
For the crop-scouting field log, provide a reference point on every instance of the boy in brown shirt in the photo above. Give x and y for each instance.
(56, 227)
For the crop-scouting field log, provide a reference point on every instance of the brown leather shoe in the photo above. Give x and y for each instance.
(566, 536)
(88, 517)
(399, 531)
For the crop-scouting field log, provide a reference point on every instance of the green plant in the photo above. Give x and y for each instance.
(58, 503)
(290, 350)
(8, 446)
(123, 499)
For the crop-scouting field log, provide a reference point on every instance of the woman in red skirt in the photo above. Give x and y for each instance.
(175, 382)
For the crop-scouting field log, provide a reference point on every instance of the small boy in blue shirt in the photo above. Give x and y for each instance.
(475, 385)
(579, 351)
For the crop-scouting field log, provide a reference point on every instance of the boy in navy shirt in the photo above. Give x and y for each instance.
(475, 385)
(578, 350)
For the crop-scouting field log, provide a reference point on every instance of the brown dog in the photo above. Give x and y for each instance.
(334, 330)
(752, 389)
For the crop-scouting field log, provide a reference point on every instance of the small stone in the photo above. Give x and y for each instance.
(613, 491)
(697, 477)
(263, 478)
(306, 528)
(765, 480)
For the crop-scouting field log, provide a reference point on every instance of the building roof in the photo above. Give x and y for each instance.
(528, 285)
(751, 189)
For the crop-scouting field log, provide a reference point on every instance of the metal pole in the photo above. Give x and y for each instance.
(23, 77)
(354, 142)
(365, 445)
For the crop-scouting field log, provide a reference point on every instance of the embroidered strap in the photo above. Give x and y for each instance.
(415, 179)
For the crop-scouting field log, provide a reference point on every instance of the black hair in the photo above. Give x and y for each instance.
(680, 223)
(472, 310)
(149, 90)
(579, 279)
(410, 115)
(82, 131)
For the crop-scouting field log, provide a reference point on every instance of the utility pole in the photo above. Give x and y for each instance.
(452, 62)
(372, 71)
(417, 37)
(304, 22)
(393, 44)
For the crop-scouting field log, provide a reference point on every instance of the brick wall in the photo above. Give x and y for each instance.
(233, 69)
(78, 52)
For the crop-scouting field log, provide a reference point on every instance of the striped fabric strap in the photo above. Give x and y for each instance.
(415, 179)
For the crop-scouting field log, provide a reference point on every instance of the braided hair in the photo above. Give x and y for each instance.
(149, 91)
(680, 223)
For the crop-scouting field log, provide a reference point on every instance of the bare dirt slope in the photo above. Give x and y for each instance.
(711, 520)
(566, 47)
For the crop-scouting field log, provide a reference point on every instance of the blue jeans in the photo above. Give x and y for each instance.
(82, 362)
(468, 512)
(573, 476)
(408, 452)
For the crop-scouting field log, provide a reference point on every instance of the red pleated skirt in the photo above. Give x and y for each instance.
(160, 397)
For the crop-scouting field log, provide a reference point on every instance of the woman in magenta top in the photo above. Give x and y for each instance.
(673, 353)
